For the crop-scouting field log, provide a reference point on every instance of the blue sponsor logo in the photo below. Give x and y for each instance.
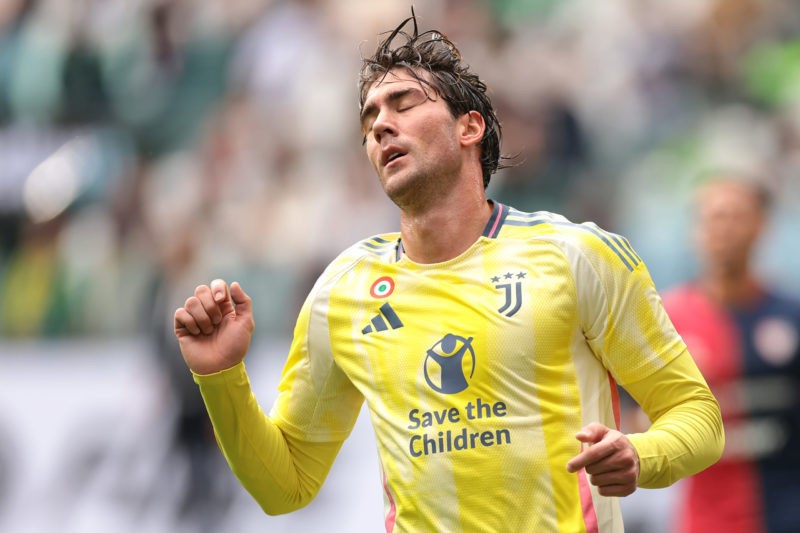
(450, 364)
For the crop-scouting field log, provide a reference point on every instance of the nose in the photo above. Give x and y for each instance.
(384, 124)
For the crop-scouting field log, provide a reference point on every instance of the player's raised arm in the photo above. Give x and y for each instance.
(214, 327)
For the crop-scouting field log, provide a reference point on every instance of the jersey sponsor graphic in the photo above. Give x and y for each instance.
(512, 292)
(450, 364)
(454, 429)
(451, 440)
(384, 320)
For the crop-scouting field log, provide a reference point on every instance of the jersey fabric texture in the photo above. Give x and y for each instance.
(751, 358)
(477, 372)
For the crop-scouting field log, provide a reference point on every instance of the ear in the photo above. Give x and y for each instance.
(471, 128)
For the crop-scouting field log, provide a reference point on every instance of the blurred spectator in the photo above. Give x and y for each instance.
(745, 337)
(32, 296)
(165, 71)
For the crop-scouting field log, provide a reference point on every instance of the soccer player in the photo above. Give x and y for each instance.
(745, 338)
(487, 342)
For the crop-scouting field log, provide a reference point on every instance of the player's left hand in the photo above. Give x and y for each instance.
(610, 460)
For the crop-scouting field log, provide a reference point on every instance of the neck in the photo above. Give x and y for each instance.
(732, 289)
(444, 230)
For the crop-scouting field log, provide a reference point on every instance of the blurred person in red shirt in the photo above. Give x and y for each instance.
(745, 337)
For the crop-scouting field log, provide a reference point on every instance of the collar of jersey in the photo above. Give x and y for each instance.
(492, 229)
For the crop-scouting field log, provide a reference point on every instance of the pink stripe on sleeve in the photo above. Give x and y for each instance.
(391, 514)
(589, 516)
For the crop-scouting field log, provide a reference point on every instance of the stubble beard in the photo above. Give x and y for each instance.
(419, 188)
(406, 191)
(419, 191)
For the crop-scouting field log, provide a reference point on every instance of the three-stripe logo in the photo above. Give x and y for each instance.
(383, 321)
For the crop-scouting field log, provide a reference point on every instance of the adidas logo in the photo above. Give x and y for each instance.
(378, 322)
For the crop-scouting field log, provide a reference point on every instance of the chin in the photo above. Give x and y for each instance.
(398, 184)
(403, 193)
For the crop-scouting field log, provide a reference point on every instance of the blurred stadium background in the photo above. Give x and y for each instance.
(147, 146)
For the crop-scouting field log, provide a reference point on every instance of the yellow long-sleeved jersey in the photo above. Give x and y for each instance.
(477, 373)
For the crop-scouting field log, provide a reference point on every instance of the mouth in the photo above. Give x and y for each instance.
(394, 157)
(390, 155)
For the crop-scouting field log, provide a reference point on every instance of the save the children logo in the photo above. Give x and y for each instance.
(450, 364)
(455, 424)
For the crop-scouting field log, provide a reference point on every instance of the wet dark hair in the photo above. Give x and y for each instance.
(462, 90)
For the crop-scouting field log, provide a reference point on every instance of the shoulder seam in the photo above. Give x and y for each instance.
(616, 243)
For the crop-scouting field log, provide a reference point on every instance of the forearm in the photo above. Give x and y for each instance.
(686, 435)
(281, 473)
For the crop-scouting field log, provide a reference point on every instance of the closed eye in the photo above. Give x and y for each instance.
(399, 101)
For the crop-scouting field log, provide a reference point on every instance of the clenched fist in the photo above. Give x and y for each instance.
(610, 460)
(214, 327)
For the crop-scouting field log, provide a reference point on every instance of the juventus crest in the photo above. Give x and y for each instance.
(511, 286)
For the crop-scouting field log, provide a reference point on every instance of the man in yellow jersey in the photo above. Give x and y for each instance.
(487, 342)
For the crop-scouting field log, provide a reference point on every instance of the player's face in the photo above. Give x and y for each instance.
(729, 222)
(410, 138)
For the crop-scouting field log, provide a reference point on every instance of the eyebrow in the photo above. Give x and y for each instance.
(392, 96)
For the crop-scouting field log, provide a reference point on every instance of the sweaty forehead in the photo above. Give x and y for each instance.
(394, 79)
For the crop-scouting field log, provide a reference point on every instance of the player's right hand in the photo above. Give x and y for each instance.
(214, 327)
